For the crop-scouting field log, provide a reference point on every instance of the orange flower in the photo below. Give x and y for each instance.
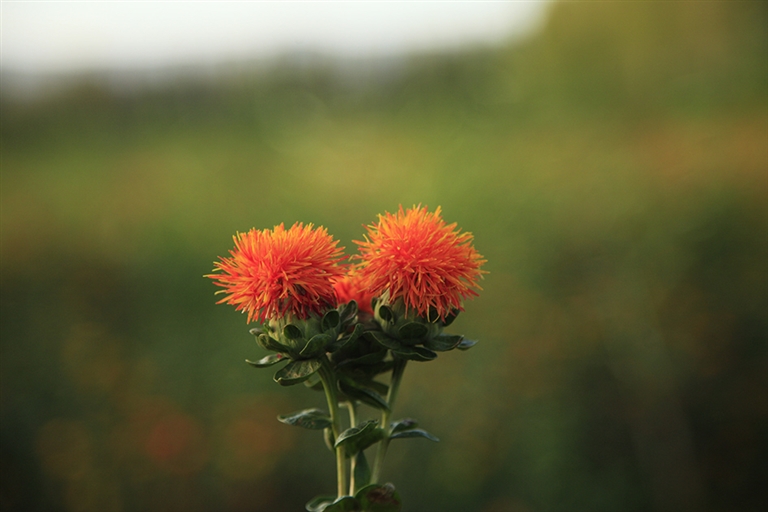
(416, 257)
(351, 287)
(274, 273)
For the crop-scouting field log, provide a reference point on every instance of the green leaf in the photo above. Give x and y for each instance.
(318, 503)
(412, 330)
(347, 311)
(362, 470)
(296, 371)
(347, 340)
(379, 498)
(313, 419)
(404, 424)
(328, 438)
(366, 395)
(343, 504)
(330, 320)
(386, 341)
(466, 344)
(367, 359)
(292, 332)
(415, 353)
(267, 361)
(416, 432)
(314, 382)
(359, 438)
(443, 343)
(315, 345)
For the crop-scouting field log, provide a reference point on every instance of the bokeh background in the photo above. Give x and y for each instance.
(612, 165)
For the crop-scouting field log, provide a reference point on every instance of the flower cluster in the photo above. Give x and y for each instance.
(341, 325)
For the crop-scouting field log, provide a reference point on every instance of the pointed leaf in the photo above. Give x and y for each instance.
(466, 344)
(343, 504)
(313, 419)
(416, 432)
(450, 318)
(366, 395)
(415, 353)
(379, 498)
(267, 361)
(297, 371)
(318, 503)
(404, 424)
(362, 470)
(412, 330)
(443, 343)
(347, 311)
(359, 438)
(386, 341)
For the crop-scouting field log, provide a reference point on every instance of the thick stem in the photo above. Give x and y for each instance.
(352, 461)
(328, 378)
(397, 374)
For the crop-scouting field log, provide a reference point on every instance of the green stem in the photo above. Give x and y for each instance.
(352, 461)
(328, 377)
(397, 374)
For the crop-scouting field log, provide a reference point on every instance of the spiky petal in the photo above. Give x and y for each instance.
(275, 273)
(351, 286)
(415, 256)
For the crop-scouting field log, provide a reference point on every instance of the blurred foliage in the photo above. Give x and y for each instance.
(614, 171)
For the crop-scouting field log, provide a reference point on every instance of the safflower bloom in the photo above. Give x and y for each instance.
(352, 287)
(415, 256)
(274, 273)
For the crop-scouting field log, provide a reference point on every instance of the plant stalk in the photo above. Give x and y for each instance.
(328, 378)
(352, 461)
(397, 374)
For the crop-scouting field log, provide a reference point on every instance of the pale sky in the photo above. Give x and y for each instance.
(61, 36)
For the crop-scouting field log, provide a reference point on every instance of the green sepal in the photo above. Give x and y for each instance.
(443, 342)
(450, 318)
(296, 371)
(359, 438)
(466, 344)
(292, 332)
(330, 320)
(415, 353)
(347, 312)
(347, 340)
(404, 424)
(315, 345)
(385, 313)
(312, 419)
(416, 432)
(368, 396)
(267, 361)
(362, 470)
(366, 360)
(379, 498)
(412, 330)
(267, 342)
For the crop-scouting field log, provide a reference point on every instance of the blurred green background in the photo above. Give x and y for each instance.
(613, 168)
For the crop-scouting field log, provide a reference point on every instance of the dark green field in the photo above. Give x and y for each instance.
(613, 169)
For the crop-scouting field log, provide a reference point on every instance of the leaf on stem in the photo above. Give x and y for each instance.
(364, 394)
(296, 371)
(313, 419)
(359, 438)
(379, 498)
(416, 432)
(267, 361)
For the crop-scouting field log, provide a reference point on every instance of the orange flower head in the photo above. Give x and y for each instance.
(351, 287)
(274, 273)
(415, 256)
